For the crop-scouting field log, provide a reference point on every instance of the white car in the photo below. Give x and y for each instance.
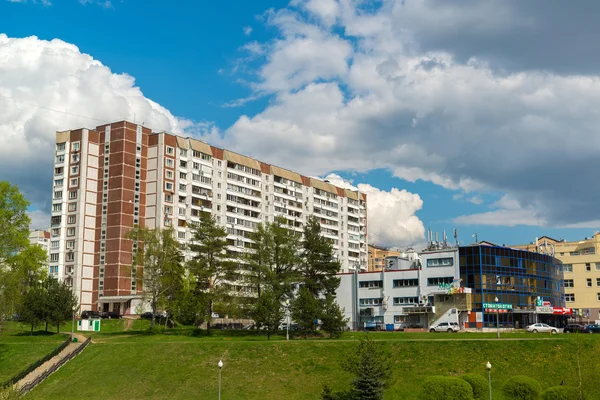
(445, 327)
(539, 327)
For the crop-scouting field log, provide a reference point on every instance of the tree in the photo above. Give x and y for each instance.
(61, 302)
(14, 221)
(268, 312)
(212, 267)
(305, 310)
(32, 309)
(332, 317)
(14, 234)
(260, 260)
(161, 259)
(372, 368)
(318, 267)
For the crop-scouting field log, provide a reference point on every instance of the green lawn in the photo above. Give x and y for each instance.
(18, 349)
(134, 365)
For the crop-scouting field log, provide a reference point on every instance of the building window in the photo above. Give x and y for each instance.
(75, 158)
(406, 300)
(76, 146)
(597, 266)
(169, 174)
(168, 186)
(183, 164)
(597, 281)
(170, 162)
(569, 283)
(53, 270)
(598, 296)
(70, 256)
(58, 194)
(370, 284)
(60, 158)
(74, 182)
(58, 182)
(439, 280)
(371, 302)
(196, 165)
(57, 207)
(567, 267)
(440, 262)
(183, 152)
(60, 146)
(72, 206)
(55, 244)
(570, 297)
(55, 232)
(74, 170)
(73, 194)
(168, 198)
(182, 187)
(170, 150)
(589, 282)
(70, 231)
(405, 282)
(70, 244)
(182, 175)
(588, 267)
(71, 219)
(181, 235)
(54, 257)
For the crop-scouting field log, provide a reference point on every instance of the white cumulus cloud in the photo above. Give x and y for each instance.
(391, 215)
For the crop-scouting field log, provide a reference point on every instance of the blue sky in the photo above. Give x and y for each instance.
(451, 149)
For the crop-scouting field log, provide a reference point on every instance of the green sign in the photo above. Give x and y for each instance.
(499, 306)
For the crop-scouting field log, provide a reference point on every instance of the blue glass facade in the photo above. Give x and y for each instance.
(515, 277)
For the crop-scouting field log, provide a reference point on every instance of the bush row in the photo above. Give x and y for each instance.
(475, 387)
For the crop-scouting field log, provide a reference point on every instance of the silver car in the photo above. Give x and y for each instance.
(539, 327)
(445, 327)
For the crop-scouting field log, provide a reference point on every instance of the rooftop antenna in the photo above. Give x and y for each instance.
(475, 236)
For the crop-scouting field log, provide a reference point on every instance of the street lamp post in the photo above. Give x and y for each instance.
(220, 364)
(287, 314)
(497, 319)
(489, 368)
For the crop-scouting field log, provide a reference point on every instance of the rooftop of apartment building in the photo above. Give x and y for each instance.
(229, 155)
(575, 247)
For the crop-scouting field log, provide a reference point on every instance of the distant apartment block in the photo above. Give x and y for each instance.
(377, 255)
(41, 238)
(108, 179)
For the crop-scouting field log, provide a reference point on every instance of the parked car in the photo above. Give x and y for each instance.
(445, 327)
(594, 328)
(110, 315)
(146, 315)
(575, 328)
(87, 314)
(539, 327)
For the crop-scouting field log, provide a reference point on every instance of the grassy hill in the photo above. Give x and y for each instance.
(18, 349)
(133, 365)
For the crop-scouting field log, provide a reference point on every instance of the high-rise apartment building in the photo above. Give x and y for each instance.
(118, 175)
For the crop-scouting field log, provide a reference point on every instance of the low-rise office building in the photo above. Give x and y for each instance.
(581, 267)
(478, 286)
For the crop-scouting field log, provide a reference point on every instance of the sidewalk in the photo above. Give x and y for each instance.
(45, 367)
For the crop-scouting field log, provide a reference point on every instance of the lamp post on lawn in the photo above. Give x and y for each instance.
(287, 314)
(220, 364)
(489, 368)
(497, 319)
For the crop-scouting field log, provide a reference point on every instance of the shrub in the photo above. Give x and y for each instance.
(446, 388)
(479, 385)
(561, 393)
(522, 388)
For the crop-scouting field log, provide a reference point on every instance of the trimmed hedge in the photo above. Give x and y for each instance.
(446, 388)
(522, 387)
(561, 393)
(479, 385)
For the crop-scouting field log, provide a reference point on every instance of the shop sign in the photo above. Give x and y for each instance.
(544, 310)
(562, 311)
(500, 306)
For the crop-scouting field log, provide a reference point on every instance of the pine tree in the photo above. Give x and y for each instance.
(372, 367)
(318, 267)
(61, 302)
(267, 312)
(332, 317)
(212, 267)
(306, 310)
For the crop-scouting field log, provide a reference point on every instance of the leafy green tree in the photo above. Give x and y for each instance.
(14, 221)
(306, 310)
(212, 267)
(32, 309)
(260, 260)
(332, 317)
(60, 302)
(268, 312)
(372, 367)
(162, 273)
(318, 267)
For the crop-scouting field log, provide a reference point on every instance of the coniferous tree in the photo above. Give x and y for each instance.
(60, 302)
(212, 267)
(332, 317)
(306, 310)
(267, 312)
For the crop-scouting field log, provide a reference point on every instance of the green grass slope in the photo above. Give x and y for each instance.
(127, 365)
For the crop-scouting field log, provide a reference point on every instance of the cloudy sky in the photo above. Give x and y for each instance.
(480, 115)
